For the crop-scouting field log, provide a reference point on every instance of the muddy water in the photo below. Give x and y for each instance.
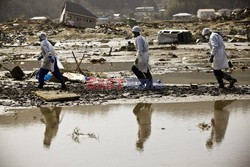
(105, 67)
(180, 77)
(137, 135)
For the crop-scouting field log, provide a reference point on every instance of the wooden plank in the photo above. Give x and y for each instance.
(57, 95)
(78, 65)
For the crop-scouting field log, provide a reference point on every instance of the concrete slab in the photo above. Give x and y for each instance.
(57, 95)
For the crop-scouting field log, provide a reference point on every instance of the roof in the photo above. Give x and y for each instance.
(77, 9)
(206, 10)
(39, 18)
(170, 31)
(221, 10)
(162, 10)
(148, 7)
(182, 14)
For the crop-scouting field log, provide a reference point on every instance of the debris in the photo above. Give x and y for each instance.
(204, 126)
(174, 36)
(237, 38)
(194, 86)
(78, 64)
(74, 77)
(162, 60)
(130, 47)
(16, 72)
(57, 95)
(243, 67)
(15, 32)
(101, 61)
(76, 134)
(110, 51)
(172, 55)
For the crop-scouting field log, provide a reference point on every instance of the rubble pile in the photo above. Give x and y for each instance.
(111, 30)
(17, 30)
(17, 94)
(240, 14)
(29, 26)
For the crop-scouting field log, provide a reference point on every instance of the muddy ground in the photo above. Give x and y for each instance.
(21, 94)
(110, 44)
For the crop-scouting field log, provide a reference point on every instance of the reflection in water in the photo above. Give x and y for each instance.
(143, 113)
(219, 122)
(51, 120)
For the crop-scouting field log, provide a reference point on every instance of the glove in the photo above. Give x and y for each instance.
(230, 64)
(136, 61)
(51, 59)
(40, 58)
(211, 58)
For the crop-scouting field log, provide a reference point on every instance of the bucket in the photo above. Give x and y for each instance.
(46, 78)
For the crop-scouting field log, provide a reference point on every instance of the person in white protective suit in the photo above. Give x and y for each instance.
(49, 62)
(218, 57)
(141, 66)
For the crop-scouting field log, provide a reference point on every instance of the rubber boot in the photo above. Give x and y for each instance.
(64, 87)
(230, 79)
(220, 81)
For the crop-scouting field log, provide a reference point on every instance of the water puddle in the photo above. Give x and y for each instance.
(138, 135)
(105, 67)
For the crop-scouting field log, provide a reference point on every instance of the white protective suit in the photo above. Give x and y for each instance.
(141, 46)
(46, 51)
(218, 50)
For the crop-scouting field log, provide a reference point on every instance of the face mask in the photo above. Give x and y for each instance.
(207, 37)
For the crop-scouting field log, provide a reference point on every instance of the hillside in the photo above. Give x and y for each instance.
(29, 8)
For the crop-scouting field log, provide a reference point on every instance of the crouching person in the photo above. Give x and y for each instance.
(49, 62)
(141, 65)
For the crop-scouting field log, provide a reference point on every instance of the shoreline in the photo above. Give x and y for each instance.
(21, 94)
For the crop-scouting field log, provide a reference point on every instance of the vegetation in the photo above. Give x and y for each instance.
(52, 8)
(191, 6)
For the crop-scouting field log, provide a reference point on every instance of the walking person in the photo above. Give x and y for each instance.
(49, 63)
(218, 57)
(141, 66)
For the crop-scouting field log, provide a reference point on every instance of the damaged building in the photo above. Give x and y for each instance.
(206, 14)
(144, 13)
(74, 14)
(182, 17)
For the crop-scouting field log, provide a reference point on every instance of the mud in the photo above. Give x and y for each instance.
(21, 94)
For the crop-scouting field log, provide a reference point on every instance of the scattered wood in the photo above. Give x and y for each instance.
(57, 95)
(78, 65)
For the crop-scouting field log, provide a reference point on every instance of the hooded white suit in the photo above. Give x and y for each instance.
(46, 51)
(218, 50)
(142, 54)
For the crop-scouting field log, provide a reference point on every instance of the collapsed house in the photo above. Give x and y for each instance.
(174, 36)
(206, 14)
(182, 17)
(74, 14)
(225, 12)
(144, 13)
